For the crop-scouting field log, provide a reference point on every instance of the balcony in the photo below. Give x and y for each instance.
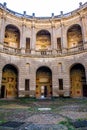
(76, 49)
(43, 53)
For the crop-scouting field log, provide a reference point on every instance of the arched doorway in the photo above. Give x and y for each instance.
(43, 82)
(9, 85)
(78, 81)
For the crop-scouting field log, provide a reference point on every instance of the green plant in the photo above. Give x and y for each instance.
(68, 124)
(81, 119)
(2, 121)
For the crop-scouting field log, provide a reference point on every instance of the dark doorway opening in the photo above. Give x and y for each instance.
(26, 84)
(27, 87)
(2, 91)
(45, 91)
(60, 84)
(43, 82)
(85, 90)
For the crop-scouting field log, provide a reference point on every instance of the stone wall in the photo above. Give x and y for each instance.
(54, 27)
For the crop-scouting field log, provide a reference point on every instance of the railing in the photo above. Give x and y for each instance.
(75, 49)
(8, 49)
(43, 52)
(28, 52)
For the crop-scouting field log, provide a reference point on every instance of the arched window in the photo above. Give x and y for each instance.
(43, 40)
(74, 36)
(12, 36)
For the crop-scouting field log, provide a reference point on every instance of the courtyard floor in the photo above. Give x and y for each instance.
(50, 114)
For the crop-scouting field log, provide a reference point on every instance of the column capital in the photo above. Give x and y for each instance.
(61, 23)
(52, 24)
(81, 15)
(23, 22)
(83, 26)
(3, 16)
(33, 24)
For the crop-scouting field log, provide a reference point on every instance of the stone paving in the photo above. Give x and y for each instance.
(44, 119)
(45, 127)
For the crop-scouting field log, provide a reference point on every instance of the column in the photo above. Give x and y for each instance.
(33, 40)
(86, 73)
(84, 28)
(2, 31)
(3, 18)
(32, 81)
(53, 38)
(0, 79)
(23, 38)
(63, 37)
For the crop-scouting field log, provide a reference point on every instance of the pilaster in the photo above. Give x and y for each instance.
(0, 79)
(2, 31)
(23, 38)
(84, 28)
(33, 40)
(55, 85)
(63, 37)
(53, 37)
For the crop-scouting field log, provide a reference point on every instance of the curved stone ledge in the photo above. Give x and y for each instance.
(43, 53)
(31, 17)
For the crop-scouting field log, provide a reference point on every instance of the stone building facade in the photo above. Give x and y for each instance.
(43, 57)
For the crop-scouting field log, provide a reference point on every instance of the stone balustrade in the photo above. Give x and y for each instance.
(29, 52)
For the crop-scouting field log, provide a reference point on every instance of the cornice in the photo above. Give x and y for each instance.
(41, 22)
(33, 17)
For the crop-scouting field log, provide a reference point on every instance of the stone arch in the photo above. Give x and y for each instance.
(9, 84)
(74, 36)
(12, 36)
(43, 82)
(78, 81)
(43, 40)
